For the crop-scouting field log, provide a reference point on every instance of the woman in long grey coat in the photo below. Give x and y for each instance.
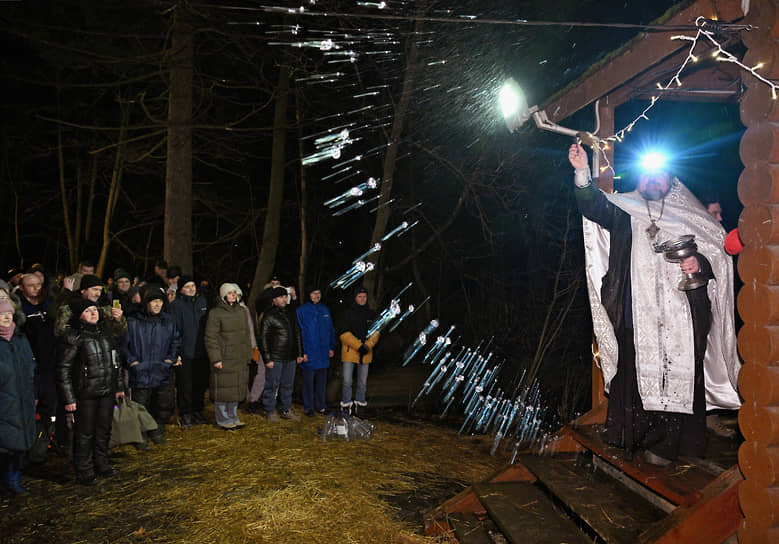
(229, 347)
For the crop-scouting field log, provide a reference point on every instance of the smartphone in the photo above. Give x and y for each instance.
(117, 304)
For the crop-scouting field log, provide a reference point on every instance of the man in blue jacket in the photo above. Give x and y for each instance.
(318, 332)
(151, 348)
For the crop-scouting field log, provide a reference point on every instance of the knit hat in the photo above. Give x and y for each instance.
(278, 292)
(78, 306)
(13, 272)
(122, 273)
(228, 287)
(360, 290)
(90, 280)
(154, 294)
(173, 271)
(183, 280)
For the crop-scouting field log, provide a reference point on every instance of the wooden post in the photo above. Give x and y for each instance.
(606, 184)
(758, 300)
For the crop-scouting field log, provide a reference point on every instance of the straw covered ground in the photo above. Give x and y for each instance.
(266, 483)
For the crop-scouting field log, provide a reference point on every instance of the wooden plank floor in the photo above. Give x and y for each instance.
(525, 515)
(615, 513)
(681, 482)
(469, 529)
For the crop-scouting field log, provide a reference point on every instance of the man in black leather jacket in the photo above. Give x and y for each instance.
(90, 381)
(282, 349)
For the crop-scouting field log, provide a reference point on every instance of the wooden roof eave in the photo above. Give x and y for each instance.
(637, 56)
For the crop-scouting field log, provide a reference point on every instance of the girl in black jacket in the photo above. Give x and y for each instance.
(90, 381)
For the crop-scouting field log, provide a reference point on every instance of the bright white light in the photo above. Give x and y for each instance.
(653, 161)
(509, 98)
(513, 105)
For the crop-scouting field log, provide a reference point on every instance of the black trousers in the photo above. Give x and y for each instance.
(49, 404)
(666, 434)
(158, 401)
(91, 434)
(191, 384)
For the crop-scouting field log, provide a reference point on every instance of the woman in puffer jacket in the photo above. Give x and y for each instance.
(90, 381)
(229, 347)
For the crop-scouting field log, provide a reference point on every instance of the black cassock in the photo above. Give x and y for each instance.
(628, 425)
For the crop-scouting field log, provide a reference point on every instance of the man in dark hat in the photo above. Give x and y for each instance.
(190, 311)
(264, 301)
(356, 349)
(91, 288)
(282, 351)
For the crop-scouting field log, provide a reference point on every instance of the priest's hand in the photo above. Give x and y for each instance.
(577, 156)
(690, 265)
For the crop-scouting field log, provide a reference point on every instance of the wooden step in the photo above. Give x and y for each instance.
(613, 512)
(680, 483)
(524, 514)
(469, 529)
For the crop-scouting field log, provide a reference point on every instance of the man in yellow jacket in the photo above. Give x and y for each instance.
(356, 349)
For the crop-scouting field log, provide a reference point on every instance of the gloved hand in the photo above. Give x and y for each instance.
(363, 350)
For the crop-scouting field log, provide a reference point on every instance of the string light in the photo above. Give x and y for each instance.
(719, 54)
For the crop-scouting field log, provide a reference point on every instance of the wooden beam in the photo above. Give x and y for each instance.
(644, 51)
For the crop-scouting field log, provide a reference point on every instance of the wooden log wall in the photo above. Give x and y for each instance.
(758, 300)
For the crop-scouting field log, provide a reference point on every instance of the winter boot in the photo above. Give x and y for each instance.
(158, 436)
(12, 481)
(18, 488)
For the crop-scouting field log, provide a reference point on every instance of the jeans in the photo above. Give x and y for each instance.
(226, 412)
(314, 389)
(362, 383)
(281, 377)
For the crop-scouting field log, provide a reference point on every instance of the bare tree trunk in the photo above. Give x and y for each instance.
(372, 281)
(79, 207)
(73, 257)
(113, 193)
(177, 235)
(270, 234)
(303, 202)
(90, 200)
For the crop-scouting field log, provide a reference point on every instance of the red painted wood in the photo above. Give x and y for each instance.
(713, 519)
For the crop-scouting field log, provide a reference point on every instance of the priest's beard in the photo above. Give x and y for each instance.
(652, 190)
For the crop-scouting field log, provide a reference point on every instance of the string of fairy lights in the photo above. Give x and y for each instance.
(719, 54)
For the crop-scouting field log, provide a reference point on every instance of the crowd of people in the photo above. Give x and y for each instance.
(74, 348)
